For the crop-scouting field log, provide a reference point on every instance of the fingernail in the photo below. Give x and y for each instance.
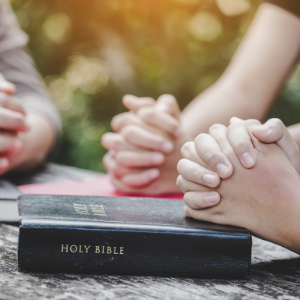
(222, 169)
(3, 163)
(209, 179)
(263, 128)
(157, 158)
(167, 147)
(212, 199)
(152, 174)
(177, 132)
(248, 160)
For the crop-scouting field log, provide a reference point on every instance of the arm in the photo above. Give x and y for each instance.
(41, 115)
(246, 89)
(254, 76)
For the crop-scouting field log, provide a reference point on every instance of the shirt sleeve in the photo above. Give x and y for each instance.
(292, 6)
(17, 67)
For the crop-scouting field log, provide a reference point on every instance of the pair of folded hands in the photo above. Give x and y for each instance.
(246, 174)
(12, 123)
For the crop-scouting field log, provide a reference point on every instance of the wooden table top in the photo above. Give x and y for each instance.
(275, 271)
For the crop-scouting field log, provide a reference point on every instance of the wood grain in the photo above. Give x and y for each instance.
(275, 275)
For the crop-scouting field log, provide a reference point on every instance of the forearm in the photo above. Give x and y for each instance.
(37, 143)
(254, 76)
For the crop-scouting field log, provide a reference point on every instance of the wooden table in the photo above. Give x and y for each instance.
(275, 271)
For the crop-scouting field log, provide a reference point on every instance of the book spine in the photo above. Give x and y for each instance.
(134, 252)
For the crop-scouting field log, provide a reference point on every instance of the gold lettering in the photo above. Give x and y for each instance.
(86, 248)
(121, 250)
(103, 249)
(72, 248)
(64, 247)
(80, 209)
(97, 250)
(80, 249)
(108, 250)
(115, 250)
(98, 210)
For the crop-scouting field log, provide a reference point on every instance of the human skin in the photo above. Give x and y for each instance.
(25, 137)
(246, 90)
(264, 199)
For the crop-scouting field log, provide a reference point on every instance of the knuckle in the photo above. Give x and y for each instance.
(169, 97)
(200, 137)
(186, 149)
(212, 157)
(240, 144)
(276, 122)
(147, 113)
(128, 130)
(228, 152)
(216, 127)
(179, 181)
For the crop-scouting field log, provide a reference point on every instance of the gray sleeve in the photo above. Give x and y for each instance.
(17, 67)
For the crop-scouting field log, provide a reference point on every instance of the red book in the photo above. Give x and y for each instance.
(97, 186)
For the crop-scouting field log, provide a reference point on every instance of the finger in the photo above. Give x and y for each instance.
(209, 151)
(244, 122)
(141, 178)
(134, 103)
(116, 141)
(142, 138)
(5, 86)
(275, 131)
(123, 119)
(121, 187)
(160, 120)
(138, 159)
(11, 103)
(9, 144)
(206, 215)
(168, 104)
(192, 171)
(113, 167)
(11, 120)
(189, 186)
(240, 141)
(4, 165)
(200, 200)
(189, 152)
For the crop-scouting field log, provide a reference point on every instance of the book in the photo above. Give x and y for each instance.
(96, 186)
(131, 236)
(9, 194)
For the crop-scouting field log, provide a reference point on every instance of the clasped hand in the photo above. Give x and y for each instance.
(145, 148)
(12, 122)
(245, 175)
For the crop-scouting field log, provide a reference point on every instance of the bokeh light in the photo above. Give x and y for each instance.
(91, 53)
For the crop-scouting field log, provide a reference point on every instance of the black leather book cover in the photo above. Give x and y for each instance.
(132, 236)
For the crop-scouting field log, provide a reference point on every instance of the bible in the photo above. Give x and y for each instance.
(131, 236)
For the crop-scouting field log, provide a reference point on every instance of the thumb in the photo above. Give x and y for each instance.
(274, 131)
(168, 104)
(134, 103)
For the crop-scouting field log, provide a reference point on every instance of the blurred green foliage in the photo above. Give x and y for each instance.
(91, 53)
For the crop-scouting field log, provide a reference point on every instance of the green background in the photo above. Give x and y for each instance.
(91, 53)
